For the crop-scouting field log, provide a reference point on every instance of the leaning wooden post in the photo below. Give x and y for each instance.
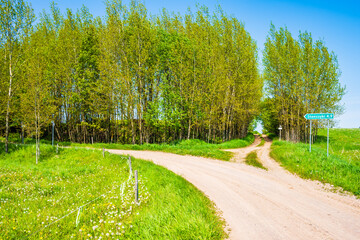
(136, 187)
(57, 148)
(103, 152)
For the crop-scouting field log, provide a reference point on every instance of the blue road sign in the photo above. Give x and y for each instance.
(313, 116)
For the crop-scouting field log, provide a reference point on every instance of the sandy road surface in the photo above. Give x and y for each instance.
(259, 204)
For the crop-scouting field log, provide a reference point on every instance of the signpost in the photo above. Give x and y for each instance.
(52, 135)
(280, 128)
(316, 116)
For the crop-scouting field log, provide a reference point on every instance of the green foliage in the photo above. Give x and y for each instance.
(33, 196)
(16, 17)
(253, 160)
(341, 168)
(132, 78)
(301, 76)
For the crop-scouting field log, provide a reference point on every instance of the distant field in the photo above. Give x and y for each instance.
(193, 147)
(34, 196)
(341, 168)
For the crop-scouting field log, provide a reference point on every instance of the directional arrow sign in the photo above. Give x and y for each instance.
(312, 116)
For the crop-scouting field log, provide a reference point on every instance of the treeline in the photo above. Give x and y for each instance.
(128, 77)
(301, 76)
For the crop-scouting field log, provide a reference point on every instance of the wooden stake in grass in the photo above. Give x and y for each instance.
(103, 152)
(57, 148)
(136, 187)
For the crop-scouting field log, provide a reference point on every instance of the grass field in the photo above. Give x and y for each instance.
(32, 197)
(253, 160)
(344, 143)
(193, 147)
(341, 168)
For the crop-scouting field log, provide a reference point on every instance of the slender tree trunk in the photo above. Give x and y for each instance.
(189, 129)
(8, 105)
(36, 132)
(132, 127)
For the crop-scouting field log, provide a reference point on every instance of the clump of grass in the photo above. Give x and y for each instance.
(35, 195)
(316, 165)
(253, 160)
(262, 142)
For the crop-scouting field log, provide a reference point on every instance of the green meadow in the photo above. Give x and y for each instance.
(193, 147)
(341, 168)
(42, 201)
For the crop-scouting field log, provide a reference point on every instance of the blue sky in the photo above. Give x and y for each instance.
(337, 23)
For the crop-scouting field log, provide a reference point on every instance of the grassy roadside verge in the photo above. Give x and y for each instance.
(334, 169)
(193, 147)
(32, 196)
(344, 143)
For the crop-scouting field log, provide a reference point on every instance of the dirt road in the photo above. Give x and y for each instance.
(259, 204)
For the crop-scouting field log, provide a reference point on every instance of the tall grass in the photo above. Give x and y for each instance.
(316, 165)
(33, 196)
(344, 143)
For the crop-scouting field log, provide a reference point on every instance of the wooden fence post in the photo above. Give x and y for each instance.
(136, 187)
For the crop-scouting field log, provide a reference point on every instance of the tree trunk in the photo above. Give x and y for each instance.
(8, 105)
(189, 129)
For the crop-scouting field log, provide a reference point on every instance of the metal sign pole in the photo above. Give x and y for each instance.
(280, 134)
(327, 153)
(312, 116)
(22, 133)
(310, 135)
(280, 128)
(52, 137)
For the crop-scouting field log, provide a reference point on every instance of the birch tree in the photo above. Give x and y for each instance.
(302, 76)
(16, 18)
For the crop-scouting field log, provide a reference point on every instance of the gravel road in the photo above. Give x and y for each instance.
(259, 204)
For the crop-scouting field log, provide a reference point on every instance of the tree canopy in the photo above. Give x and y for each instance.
(133, 78)
(301, 76)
